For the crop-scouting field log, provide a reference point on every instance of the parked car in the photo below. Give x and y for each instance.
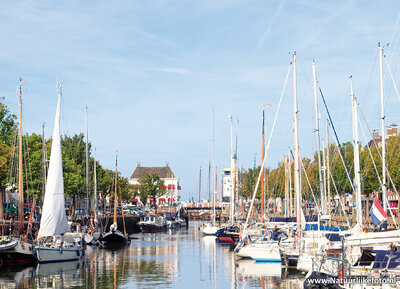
(80, 212)
(111, 211)
(137, 212)
(133, 210)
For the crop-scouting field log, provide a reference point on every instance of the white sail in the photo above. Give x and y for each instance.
(54, 220)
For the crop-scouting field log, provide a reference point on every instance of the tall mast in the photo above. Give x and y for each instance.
(209, 182)
(213, 164)
(115, 189)
(232, 198)
(200, 185)
(235, 199)
(328, 183)
(222, 186)
(231, 118)
(262, 167)
(297, 181)
(321, 186)
(383, 130)
(95, 185)
(286, 186)
(357, 182)
(290, 185)
(20, 180)
(43, 162)
(323, 171)
(234, 189)
(216, 183)
(87, 165)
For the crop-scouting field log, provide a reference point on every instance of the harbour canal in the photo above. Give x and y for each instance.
(180, 258)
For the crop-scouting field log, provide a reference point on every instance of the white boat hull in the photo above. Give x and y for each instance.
(92, 239)
(305, 263)
(209, 230)
(266, 254)
(247, 250)
(244, 252)
(8, 244)
(88, 239)
(49, 255)
(250, 268)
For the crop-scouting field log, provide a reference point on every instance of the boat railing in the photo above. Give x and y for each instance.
(342, 265)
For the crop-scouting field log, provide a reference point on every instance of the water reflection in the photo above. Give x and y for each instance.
(176, 259)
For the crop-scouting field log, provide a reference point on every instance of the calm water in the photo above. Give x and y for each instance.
(176, 259)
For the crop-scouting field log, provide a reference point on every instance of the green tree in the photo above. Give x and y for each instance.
(125, 189)
(7, 124)
(150, 186)
(7, 132)
(247, 182)
(105, 180)
(33, 164)
(74, 165)
(5, 152)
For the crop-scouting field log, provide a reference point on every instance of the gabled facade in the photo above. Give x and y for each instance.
(165, 173)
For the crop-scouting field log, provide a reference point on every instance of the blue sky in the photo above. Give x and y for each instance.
(151, 72)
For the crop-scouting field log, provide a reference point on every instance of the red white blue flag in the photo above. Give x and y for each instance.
(377, 213)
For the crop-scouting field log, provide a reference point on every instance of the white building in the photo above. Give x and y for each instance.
(165, 174)
(227, 185)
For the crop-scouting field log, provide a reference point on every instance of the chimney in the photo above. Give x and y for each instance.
(392, 130)
(375, 135)
(167, 164)
(138, 164)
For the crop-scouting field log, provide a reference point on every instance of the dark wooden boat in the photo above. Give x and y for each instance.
(152, 223)
(114, 237)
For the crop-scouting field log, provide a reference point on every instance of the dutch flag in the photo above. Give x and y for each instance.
(377, 213)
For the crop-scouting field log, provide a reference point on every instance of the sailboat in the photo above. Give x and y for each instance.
(230, 234)
(211, 228)
(92, 238)
(271, 250)
(54, 244)
(311, 237)
(17, 249)
(382, 239)
(115, 237)
(373, 253)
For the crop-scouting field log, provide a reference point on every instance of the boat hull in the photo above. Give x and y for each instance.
(114, 237)
(8, 245)
(265, 254)
(51, 255)
(92, 239)
(151, 228)
(289, 259)
(227, 235)
(209, 230)
(20, 253)
(15, 258)
(225, 239)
